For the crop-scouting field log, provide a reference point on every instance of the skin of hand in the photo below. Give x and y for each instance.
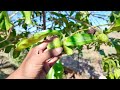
(37, 63)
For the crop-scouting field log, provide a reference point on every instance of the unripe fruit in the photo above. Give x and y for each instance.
(103, 38)
(55, 44)
(68, 50)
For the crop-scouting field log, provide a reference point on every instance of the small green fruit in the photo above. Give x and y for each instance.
(68, 50)
(54, 44)
(103, 38)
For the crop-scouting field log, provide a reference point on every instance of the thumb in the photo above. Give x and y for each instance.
(49, 54)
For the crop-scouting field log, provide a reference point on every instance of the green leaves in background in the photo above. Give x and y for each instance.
(112, 18)
(112, 68)
(8, 49)
(27, 15)
(116, 44)
(56, 71)
(57, 14)
(5, 23)
(115, 19)
(16, 53)
(79, 39)
(117, 73)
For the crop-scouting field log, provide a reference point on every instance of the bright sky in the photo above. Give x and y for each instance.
(97, 21)
(94, 20)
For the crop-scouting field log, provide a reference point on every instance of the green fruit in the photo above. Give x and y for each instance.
(103, 38)
(68, 50)
(54, 44)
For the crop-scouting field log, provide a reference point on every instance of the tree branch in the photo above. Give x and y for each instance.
(13, 14)
(44, 20)
(7, 35)
(78, 20)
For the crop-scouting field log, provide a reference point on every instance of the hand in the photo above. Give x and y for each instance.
(37, 63)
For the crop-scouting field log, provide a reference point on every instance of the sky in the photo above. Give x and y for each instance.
(93, 19)
(97, 21)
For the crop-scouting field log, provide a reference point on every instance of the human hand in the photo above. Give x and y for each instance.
(37, 63)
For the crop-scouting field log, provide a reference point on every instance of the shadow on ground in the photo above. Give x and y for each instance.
(3, 75)
(81, 66)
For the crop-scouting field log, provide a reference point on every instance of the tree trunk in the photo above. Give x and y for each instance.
(44, 20)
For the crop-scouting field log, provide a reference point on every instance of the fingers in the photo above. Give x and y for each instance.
(46, 67)
(51, 53)
(52, 61)
(40, 48)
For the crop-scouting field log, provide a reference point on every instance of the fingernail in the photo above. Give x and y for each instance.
(59, 50)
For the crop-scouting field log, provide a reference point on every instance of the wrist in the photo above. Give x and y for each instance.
(18, 74)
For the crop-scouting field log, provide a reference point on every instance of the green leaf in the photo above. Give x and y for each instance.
(1, 38)
(50, 74)
(111, 75)
(117, 22)
(12, 35)
(71, 13)
(116, 44)
(27, 15)
(79, 39)
(13, 32)
(117, 63)
(56, 71)
(2, 25)
(102, 52)
(5, 23)
(26, 42)
(112, 18)
(117, 73)
(113, 64)
(59, 70)
(3, 44)
(115, 27)
(68, 50)
(78, 16)
(16, 54)
(58, 14)
(8, 49)
(1, 16)
(65, 20)
(24, 26)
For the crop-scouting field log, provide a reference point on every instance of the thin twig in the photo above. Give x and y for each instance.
(77, 32)
(100, 17)
(7, 35)
(99, 14)
(77, 20)
(13, 14)
(102, 25)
